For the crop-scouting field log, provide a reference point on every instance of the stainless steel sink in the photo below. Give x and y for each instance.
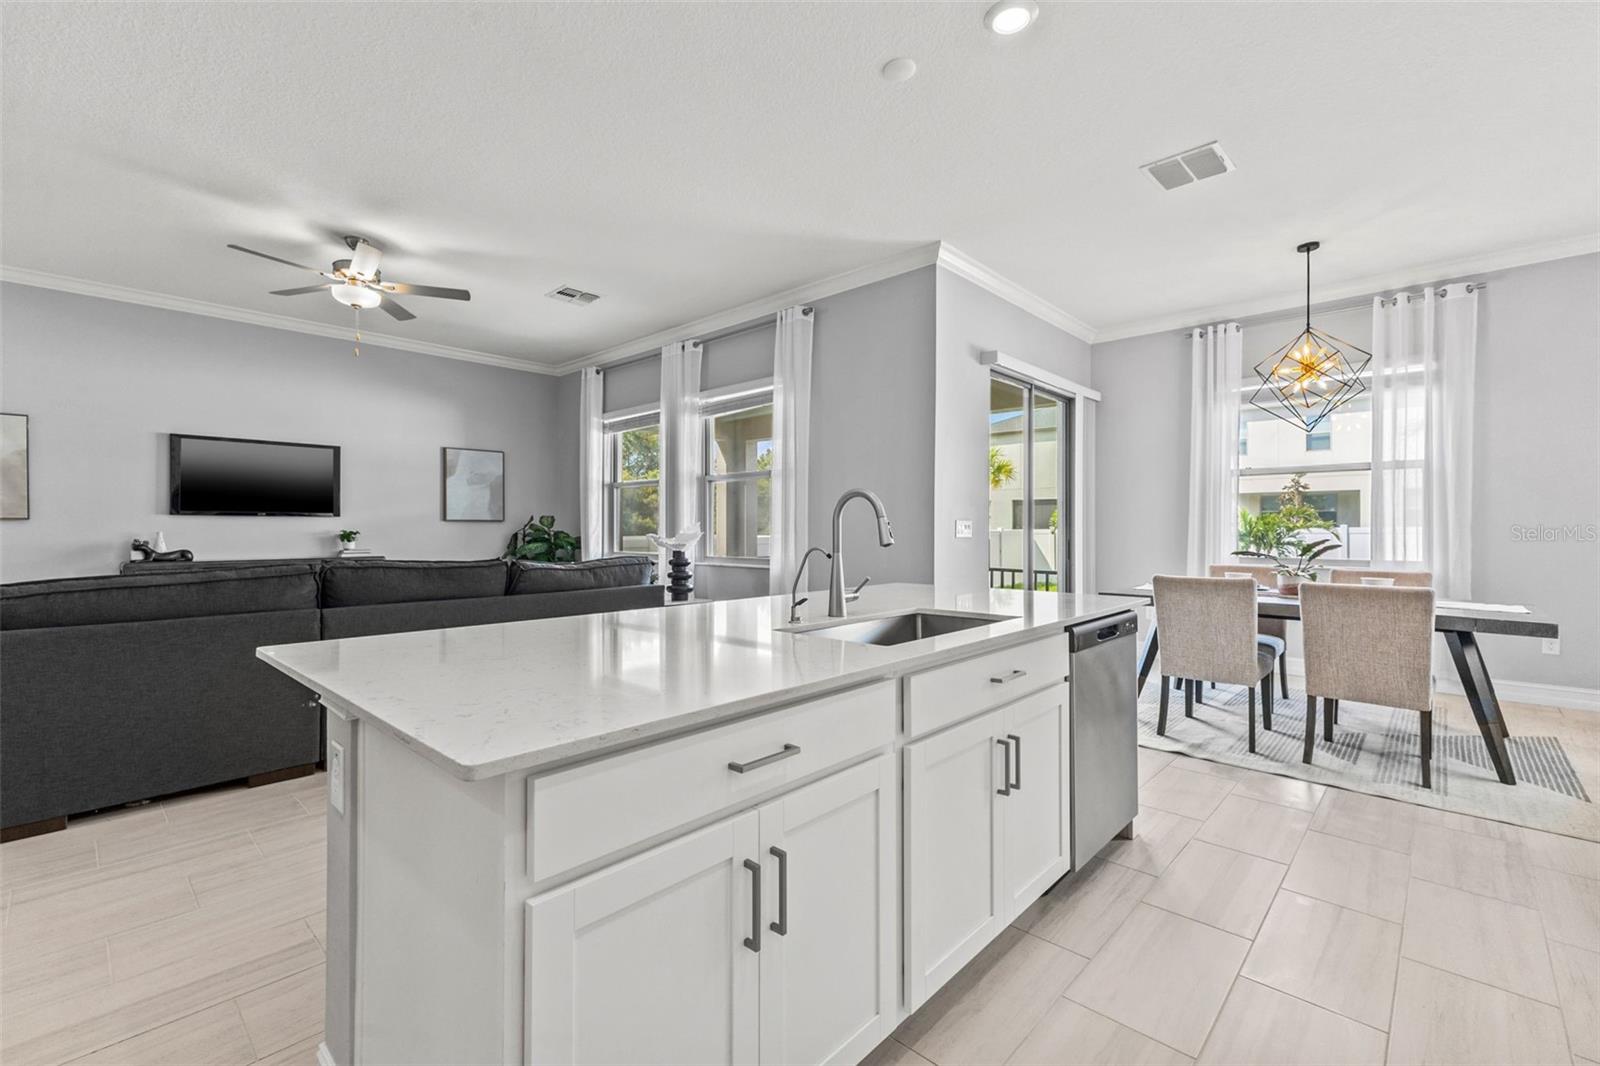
(900, 628)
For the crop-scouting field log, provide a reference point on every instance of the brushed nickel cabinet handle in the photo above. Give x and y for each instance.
(1012, 676)
(781, 926)
(1016, 740)
(753, 941)
(1005, 788)
(789, 751)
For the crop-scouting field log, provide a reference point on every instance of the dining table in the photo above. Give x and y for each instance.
(1460, 623)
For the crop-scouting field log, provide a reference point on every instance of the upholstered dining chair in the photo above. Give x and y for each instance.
(1420, 579)
(1372, 644)
(1270, 631)
(1208, 633)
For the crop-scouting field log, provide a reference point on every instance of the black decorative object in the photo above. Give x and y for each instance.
(1305, 380)
(181, 555)
(681, 585)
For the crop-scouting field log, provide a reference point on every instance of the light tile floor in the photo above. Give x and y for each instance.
(1254, 919)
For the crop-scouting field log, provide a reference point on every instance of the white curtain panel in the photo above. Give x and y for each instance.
(1424, 370)
(791, 445)
(1216, 376)
(680, 438)
(591, 462)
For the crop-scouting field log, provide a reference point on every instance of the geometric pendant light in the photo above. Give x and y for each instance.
(1305, 380)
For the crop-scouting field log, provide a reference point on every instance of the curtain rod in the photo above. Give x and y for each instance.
(720, 335)
(1331, 309)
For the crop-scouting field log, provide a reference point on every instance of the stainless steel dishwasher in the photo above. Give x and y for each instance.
(1105, 733)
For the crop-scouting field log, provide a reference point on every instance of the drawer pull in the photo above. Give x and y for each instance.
(1012, 676)
(781, 926)
(789, 750)
(1005, 775)
(753, 941)
(1017, 784)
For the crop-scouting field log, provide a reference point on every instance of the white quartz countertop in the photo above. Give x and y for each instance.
(482, 701)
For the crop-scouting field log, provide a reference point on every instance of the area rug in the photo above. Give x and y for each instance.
(1375, 750)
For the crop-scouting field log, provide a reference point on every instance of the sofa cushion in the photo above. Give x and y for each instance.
(347, 583)
(614, 572)
(344, 622)
(150, 597)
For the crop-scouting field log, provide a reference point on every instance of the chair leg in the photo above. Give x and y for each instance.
(1188, 698)
(1266, 700)
(1161, 718)
(1335, 712)
(1330, 712)
(1427, 749)
(1213, 685)
(1283, 674)
(1176, 682)
(1252, 690)
(1311, 728)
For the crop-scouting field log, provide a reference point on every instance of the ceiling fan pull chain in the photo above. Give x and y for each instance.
(358, 331)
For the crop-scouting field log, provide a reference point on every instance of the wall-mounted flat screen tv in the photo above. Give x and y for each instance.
(226, 475)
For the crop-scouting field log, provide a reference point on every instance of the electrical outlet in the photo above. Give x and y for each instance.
(336, 775)
(963, 529)
(1551, 645)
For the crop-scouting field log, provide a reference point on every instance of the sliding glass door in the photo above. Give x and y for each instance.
(1030, 487)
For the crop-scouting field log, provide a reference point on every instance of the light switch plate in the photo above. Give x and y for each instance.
(1551, 646)
(336, 775)
(963, 529)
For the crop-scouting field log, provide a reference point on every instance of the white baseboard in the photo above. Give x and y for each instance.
(324, 1056)
(1570, 697)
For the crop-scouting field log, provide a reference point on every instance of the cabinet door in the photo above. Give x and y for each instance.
(1038, 823)
(829, 952)
(953, 844)
(645, 961)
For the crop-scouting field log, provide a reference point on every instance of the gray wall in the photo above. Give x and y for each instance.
(104, 382)
(872, 424)
(1535, 456)
(972, 320)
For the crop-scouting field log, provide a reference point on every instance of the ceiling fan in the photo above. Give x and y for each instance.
(357, 282)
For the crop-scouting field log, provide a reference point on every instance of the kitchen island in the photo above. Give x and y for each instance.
(693, 834)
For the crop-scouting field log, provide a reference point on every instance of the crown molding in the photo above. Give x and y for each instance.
(964, 266)
(893, 266)
(60, 283)
(1425, 274)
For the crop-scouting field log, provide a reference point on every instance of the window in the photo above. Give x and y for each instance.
(1328, 469)
(1030, 472)
(738, 500)
(633, 484)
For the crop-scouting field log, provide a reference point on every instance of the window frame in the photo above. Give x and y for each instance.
(613, 427)
(710, 410)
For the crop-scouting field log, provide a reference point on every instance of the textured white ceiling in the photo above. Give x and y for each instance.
(683, 158)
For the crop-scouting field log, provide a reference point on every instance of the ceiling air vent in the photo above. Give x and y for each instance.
(1185, 168)
(571, 295)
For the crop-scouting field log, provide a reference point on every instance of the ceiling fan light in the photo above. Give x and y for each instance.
(352, 295)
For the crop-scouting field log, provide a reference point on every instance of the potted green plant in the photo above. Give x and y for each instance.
(347, 537)
(1296, 560)
(540, 541)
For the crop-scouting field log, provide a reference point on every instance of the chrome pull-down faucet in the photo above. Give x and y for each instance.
(837, 597)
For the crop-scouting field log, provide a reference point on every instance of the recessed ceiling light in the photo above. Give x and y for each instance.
(1011, 16)
(901, 69)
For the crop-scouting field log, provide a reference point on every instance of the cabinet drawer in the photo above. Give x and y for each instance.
(946, 694)
(590, 811)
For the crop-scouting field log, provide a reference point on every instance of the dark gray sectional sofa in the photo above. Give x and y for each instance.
(124, 688)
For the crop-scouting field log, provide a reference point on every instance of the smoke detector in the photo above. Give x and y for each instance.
(572, 295)
(1186, 168)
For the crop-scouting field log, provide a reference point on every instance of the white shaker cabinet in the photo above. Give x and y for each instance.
(952, 843)
(830, 979)
(645, 962)
(672, 957)
(986, 829)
